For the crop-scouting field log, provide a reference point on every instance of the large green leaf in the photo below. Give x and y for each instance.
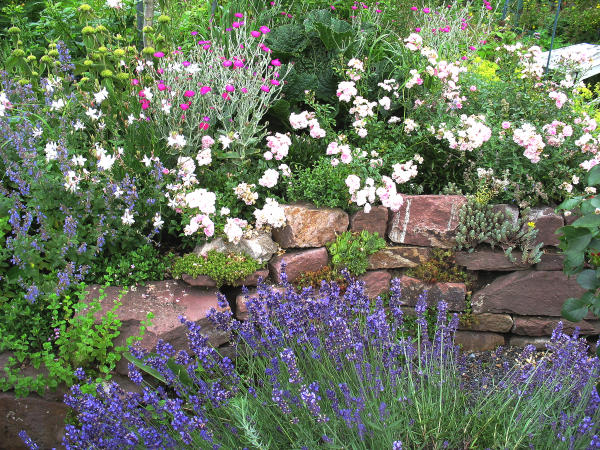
(575, 309)
(594, 176)
(588, 279)
(589, 221)
(332, 31)
(577, 239)
(287, 40)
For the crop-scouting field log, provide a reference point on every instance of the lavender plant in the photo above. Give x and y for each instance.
(330, 370)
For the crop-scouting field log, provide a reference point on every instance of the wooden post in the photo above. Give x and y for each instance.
(148, 19)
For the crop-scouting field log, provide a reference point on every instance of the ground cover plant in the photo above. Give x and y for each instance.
(326, 370)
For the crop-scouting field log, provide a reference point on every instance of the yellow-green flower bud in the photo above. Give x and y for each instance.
(119, 52)
(23, 81)
(102, 49)
(131, 49)
(123, 76)
(14, 30)
(52, 45)
(88, 62)
(84, 80)
(35, 74)
(87, 30)
(56, 63)
(18, 52)
(101, 29)
(148, 51)
(85, 8)
(31, 58)
(148, 29)
(160, 38)
(163, 18)
(19, 42)
(106, 73)
(53, 53)
(46, 59)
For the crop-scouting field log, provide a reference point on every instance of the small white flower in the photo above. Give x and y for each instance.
(37, 132)
(51, 151)
(127, 218)
(130, 119)
(78, 125)
(224, 211)
(147, 161)
(176, 140)
(158, 222)
(57, 105)
(78, 160)
(93, 114)
(101, 96)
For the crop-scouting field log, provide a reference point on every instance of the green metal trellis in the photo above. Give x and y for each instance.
(518, 15)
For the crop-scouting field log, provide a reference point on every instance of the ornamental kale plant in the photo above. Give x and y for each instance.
(330, 370)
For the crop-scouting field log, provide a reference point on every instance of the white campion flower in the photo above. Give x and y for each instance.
(78, 160)
(127, 218)
(157, 222)
(93, 114)
(51, 151)
(176, 140)
(101, 96)
(106, 161)
(78, 125)
(36, 132)
(147, 161)
(57, 105)
(71, 181)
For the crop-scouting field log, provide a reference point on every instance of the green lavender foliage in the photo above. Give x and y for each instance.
(480, 223)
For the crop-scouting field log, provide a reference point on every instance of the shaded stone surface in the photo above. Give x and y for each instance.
(550, 261)
(498, 323)
(252, 279)
(309, 226)
(452, 293)
(527, 293)
(478, 341)
(399, 257)
(375, 221)
(521, 341)
(260, 247)
(42, 419)
(167, 300)
(547, 222)
(490, 260)
(428, 220)
(543, 326)
(200, 280)
(298, 262)
(376, 282)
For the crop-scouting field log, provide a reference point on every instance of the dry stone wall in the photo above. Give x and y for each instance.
(512, 303)
(508, 304)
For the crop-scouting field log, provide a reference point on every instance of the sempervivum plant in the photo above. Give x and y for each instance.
(325, 370)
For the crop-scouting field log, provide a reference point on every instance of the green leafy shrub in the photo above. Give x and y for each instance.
(224, 268)
(580, 242)
(78, 341)
(352, 250)
(323, 185)
(138, 266)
